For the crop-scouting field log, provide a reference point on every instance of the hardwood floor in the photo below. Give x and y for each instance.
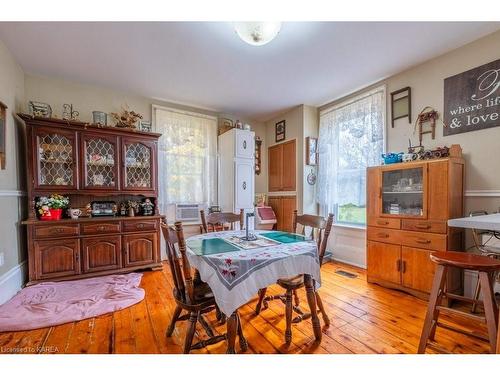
(365, 318)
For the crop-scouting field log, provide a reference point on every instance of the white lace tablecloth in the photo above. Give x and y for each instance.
(236, 276)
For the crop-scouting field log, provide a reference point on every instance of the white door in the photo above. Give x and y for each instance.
(244, 184)
(245, 144)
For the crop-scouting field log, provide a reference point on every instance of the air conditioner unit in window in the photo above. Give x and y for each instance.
(188, 212)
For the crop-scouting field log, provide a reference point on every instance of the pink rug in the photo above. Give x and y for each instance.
(53, 303)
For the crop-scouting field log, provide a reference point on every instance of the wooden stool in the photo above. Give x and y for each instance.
(486, 267)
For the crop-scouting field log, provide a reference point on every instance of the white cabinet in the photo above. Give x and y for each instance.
(244, 144)
(236, 182)
(243, 184)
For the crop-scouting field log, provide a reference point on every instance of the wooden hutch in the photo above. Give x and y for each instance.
(408, 205)
(90, 163)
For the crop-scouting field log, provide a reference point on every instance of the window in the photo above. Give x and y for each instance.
(187, 153)
(351, 138)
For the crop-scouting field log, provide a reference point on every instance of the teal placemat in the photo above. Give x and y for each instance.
(283, 237)
(210, 246)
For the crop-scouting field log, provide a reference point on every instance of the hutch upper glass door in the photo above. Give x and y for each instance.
(138, 165)
(403, 192)
(55, 159)
(100, 162)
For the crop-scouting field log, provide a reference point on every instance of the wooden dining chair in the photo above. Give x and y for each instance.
(191, 294)
(216, 221)
(320, 231)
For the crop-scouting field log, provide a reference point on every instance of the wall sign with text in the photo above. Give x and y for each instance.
(472, 99)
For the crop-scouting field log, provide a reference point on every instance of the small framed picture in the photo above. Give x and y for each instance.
(311, 151)
(280, 131)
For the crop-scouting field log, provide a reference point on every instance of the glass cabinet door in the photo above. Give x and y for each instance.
(99, 162)
(138, 165)
(55, 159)
(403, 192)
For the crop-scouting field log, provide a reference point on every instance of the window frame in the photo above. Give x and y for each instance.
(156, 107)
(343, 103)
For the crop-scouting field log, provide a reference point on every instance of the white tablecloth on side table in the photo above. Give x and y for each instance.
(481, 222)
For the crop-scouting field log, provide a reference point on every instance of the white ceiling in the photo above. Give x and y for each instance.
(205, 64)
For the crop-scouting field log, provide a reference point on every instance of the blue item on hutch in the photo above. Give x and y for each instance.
(392, 158)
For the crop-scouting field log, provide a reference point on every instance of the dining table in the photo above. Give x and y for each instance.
(236, 269)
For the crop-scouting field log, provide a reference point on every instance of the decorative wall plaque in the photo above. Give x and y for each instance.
(472, 99)
(280, 128)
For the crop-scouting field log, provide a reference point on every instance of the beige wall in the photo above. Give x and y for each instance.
(87, 98)
(311, 129)
(11, 181)
(481, 148)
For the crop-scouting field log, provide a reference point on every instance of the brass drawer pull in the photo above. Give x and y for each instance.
(382, 235)
(140, 226)
(422, 226)
(102, 228)
(57, 230)
(382, 222)
(423, 242)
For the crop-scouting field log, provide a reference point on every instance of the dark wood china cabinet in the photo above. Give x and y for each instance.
(90, 163)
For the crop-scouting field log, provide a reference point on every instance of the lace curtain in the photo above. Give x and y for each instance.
(351, 138)
(187, 157)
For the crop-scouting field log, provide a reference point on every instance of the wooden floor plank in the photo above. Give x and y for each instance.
(81, 335)
(124, 339)
(101, 340)
(365, 318)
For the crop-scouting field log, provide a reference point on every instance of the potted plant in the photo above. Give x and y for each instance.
(51, 208)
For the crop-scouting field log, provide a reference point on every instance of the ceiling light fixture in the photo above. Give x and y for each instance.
(257, 33)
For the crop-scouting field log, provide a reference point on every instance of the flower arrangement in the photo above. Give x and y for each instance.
(126, 118)
(50, 208)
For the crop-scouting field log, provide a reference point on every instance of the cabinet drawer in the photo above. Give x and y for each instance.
(384, 235)
(429, 241)
(139, 225)
(98, 228)
(50, 231)
(424, 226)
(384, 222)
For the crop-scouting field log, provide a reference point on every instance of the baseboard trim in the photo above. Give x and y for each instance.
(12, 282)
(482, 193)
(339, 260)
(12, 193)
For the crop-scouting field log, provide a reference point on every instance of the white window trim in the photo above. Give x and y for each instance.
(155, 107)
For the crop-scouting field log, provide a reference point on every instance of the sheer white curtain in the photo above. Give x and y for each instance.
(351, 138)
(187, 157)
